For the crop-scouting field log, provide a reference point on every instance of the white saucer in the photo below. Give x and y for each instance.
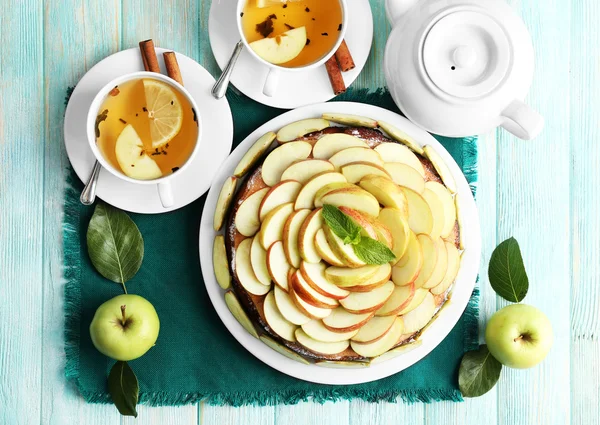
(217, 135)
(295, 88)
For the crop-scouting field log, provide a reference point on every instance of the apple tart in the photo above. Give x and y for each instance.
(295, 280)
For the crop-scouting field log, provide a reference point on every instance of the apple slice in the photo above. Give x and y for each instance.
(316, 330)
(451, 270)
(275, 319)
(405, 176)
(342, 250)
(299, 128)
(303, 290)
(386, 192)
(459, 219)
(366, 302)
(420, 217)
(306, 196)
(378, 279)
(282, 193)
(328, 188)
(400, 136)
(344, 276)
(374, 329)
(324, 250)
(220, 264)
(277, 265)
(349, 119)
(341, 320)
(225, 197)
(271, 229)
(281, 48)
(306, 236)
(394, 220)
(384, 235)
(407, 269)
(303, 171)
(291, 231)
(356, 171)
(330, 144)
(437, 213)
(307, 309)
(420, 316)
(441, 167)
(238, 312)
(288, 309)
(244, 272)
(314, 275)
(350, 155)
(448, 206)
(258, 260)
(416, 301)
(132, 159)
(430, 258)
(327, 348)
(395, 152)
(283, 350)
(254, 154)
(403, 349)
(401, 298)
(247, 221)
(281, 158)
(441, 265)
(353, 197)
(363, 220)
(383, 344)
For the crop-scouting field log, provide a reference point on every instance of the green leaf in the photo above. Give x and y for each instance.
(123, 388)
(115, 244)
(507, 272)
(373, 252)
(478, 373)
(343, 226)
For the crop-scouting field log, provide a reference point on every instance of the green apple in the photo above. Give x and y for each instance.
(519, 336)
(125, 327)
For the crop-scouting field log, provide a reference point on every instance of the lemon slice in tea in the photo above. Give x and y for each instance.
(164, 112)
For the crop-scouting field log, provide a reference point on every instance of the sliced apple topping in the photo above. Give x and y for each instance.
(275, 319)
(314, 275)
(451, 271)
(258, 260)
(281, 158)
(244, 272)
(308, 309)
(395, 152)
(223, 202)
(366, 302)
(306, 196)
(459, 219)
(447, 205)
(132, 159)
(356, 171)
(330, 188)
(420, 316)
(291, 232)
(386, 192)
(283, 350)
(441, 265)
(303, 290)
(342, 250)
(420, 217)
(247, 221)
(220, 262)
(405, 176)
(375, 328)
(254, 154)
(345, 276)
(307, 234)
(324, 250)
(400, 136)
(300, 128)
(350, 155)
(288, 309)
(393, 219)
(330, 144)
(353, 197)
(327, 348)
(430, 258)
(437, 213)
(282, 193)
(238, 312)
(281, 48)
(349, 119)
(441, 167)
(316, 330)
(340, 320)
(408, 268)
(271, 229)
(381, 276)
(401, 298)
(416, 301)
(277, 265)
(383, 344)
(303, 171)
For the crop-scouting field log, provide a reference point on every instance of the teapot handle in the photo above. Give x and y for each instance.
(396, 8)
(522, 121)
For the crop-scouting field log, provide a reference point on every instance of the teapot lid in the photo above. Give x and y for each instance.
(466, 54)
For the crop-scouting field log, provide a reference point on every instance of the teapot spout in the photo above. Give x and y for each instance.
(395, 9)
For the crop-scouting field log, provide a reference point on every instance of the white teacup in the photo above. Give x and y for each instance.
(272, 80)
(164, 183)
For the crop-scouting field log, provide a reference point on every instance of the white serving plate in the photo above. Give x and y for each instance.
(439, 329)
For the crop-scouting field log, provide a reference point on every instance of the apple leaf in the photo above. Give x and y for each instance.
(478, 373)
(123, 388)
(115, 244)
(507, 272)
(373, 252)
(343, 226)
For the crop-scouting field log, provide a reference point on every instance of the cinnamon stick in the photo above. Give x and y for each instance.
(149, 56)
(335, 75)
(344, 57)
(172, 66)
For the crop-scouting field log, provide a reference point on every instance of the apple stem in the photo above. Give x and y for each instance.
(518, 338)
(123, 314)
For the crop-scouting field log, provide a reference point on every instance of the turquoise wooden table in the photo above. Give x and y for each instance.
(543, 192)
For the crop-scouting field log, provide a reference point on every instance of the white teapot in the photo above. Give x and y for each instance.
(461, 67)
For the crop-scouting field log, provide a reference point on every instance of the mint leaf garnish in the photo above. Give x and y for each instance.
(507, 272)
(341, 225)
(373, 252)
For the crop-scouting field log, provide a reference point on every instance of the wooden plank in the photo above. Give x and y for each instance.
(372, 76)
(533, 206)
(245, 415)
(585, 224)
(363, 413)
(21, 210)
(311, 413)
(76, 36)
